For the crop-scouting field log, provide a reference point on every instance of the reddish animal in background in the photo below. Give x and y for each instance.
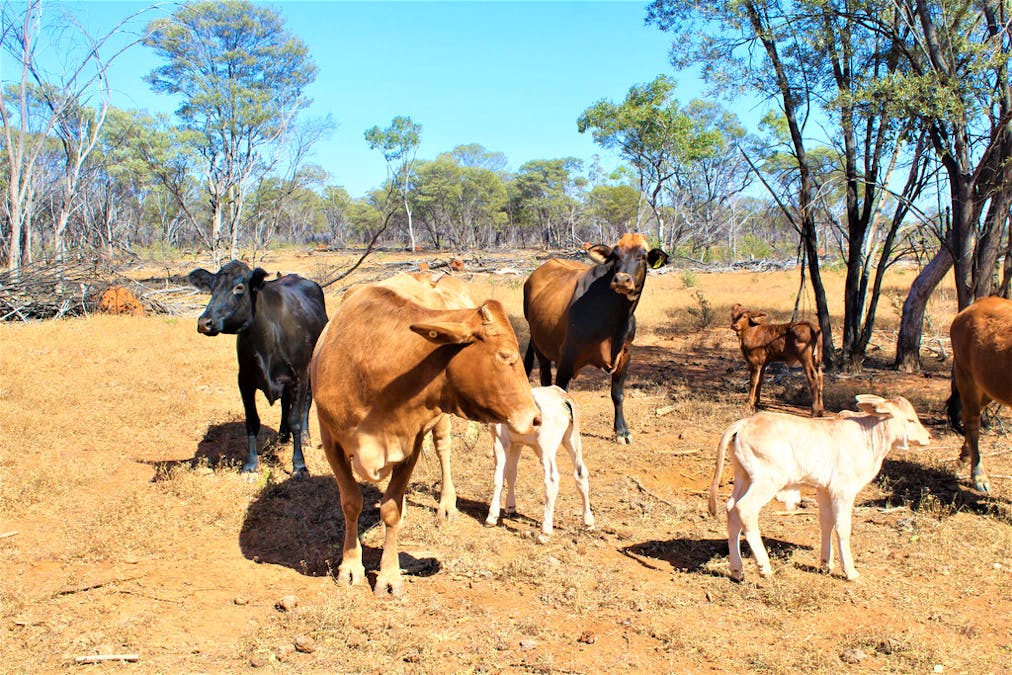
(276, 324)
(385, 372)
(774, 455)
(560, 426)
(981, 367)
(582, 315)
(798, 342)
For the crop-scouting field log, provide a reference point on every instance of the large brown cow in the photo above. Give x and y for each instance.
(384, 372)
(981, 363)
(582, 315)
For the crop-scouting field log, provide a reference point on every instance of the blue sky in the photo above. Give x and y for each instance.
(511, 76)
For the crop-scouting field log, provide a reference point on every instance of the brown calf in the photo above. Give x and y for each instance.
(798, 342)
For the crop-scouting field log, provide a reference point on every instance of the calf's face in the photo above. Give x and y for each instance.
(912, 432)
(629, 259)
(232, 288)
(486, 376)
(742, 318)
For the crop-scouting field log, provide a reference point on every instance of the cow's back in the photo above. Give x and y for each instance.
(982, 345)
(291, 314)
(548, 293)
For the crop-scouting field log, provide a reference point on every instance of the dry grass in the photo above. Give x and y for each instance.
(119, 440)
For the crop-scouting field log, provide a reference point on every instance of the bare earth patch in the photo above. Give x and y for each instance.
(126, 529)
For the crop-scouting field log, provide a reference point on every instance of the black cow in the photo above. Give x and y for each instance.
(276, 324)
(582, 315)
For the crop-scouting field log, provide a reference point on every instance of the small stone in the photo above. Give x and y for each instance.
(287, 603)
(939, 668)
(587, 638)
(997, 566)
(240, 600)
(853, 656)
(528, 644)
(257, 661)
(305, 644)
(284, 651)
(553, 561)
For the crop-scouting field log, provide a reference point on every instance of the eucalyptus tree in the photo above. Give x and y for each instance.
(649, 130)
(241, 79)
(816, 60)
(543, 196)
(38, 104)
(958, 85)
(398, 144)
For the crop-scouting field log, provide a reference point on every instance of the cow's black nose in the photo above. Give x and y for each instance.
(204, 324)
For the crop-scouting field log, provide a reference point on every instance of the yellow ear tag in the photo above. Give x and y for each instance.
(433, 334)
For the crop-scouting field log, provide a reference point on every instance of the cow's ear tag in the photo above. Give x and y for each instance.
(433, 334)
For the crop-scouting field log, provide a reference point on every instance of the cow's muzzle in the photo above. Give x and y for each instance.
(206, 326)
(623, 284)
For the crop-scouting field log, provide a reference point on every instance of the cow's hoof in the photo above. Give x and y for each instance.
(544, 537)
(389, 584)
(284, 437)
(852, 575)
(588, 523)
(350, 574)
(300, 473)
(765, 572)
(249, 469)
(490, 522)
(624, 439)
(981, 482)
(447, 512)
(737, 575)
(825, 567)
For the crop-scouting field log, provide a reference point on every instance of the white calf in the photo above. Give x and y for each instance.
(776, 453)
(560, 425)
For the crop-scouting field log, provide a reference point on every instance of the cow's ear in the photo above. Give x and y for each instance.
(445, 332)
(599, 253)
(656, 258)
(875, 405)
(202, 279)
(256, 279)
(757, 318)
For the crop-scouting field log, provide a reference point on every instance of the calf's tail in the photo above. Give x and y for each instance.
(725, 441)
(954, 409)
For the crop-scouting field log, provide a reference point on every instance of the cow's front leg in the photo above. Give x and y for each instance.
(843, 506)
(499, 454)
(971, 451)
(826, 521)
(248, 390)
(389, 578)
(350, 571)
(622, 433)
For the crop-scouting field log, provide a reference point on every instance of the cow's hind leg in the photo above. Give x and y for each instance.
(442, 440)
(550, 468)
(389, 577)
(741, 484)
(499, 453)
(350, 571)
(814, 376)
(826, 523)
(248, 390)
(974, 401)
(748, 507)
(297, 425)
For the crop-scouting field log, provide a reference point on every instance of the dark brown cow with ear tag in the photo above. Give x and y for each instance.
(582, 315)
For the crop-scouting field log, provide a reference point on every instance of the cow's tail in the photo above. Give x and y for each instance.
(817, 349)
(725, 441)
(954, 408)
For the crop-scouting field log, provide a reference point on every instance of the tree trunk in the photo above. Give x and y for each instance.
(908, 342)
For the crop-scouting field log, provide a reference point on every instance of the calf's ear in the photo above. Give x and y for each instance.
(599, 253)
(445, 332)
(656, 258)
(256, 279)
(202, 279)
(756, 318)
(875, 405)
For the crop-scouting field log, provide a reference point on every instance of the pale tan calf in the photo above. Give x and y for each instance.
(776, 453)
(560, 426)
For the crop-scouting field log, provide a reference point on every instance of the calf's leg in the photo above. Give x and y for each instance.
(843, 506)
(814, 376)
(826, 521)
(499, 453)
(574, 446)
(551, 473)
(741, 483)
(748, 507)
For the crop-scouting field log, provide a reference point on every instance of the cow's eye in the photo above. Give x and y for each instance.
(508, 357)
(239, 289)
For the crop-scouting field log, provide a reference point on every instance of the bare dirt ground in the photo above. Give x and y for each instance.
(126, 529)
